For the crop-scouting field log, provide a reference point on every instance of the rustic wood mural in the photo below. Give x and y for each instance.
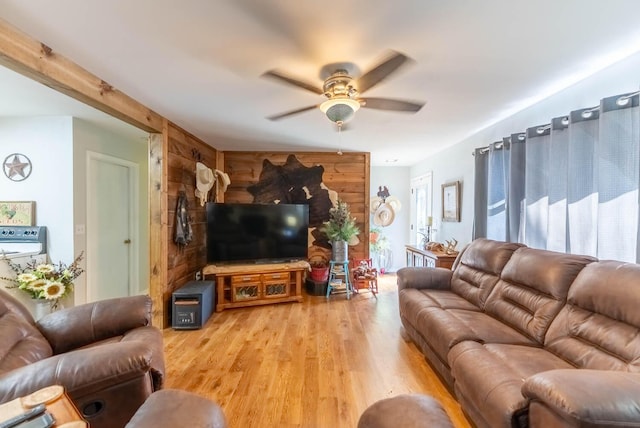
(295, 183)
(314, 178)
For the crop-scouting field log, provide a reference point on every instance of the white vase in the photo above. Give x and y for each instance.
(40, 307)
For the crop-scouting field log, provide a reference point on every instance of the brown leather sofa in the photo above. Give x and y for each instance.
(106, 354)
(528, 337)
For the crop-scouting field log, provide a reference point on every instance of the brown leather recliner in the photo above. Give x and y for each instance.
(106, 354)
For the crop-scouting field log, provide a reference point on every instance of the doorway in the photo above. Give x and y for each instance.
(112, 227)
(422, 230)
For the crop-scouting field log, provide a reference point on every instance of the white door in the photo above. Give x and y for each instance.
(111, 227)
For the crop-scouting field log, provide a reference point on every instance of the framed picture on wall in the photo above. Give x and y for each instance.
(451, 201)
(17, 213)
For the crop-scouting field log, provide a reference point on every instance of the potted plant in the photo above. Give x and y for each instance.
(319, 270)
(379, 247)
(341, 230)
(374, 233)
(46, 283)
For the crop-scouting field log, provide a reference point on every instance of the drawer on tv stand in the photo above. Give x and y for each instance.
(275, 276)
(246, 279)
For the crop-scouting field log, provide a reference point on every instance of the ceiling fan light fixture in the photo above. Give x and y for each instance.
(339, 109)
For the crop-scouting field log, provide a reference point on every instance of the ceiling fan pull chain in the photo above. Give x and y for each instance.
(339, 123)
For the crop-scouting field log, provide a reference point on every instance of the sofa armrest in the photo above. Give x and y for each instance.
(424, 277)
(82, 325)
(81, 372)
(152, 338)
(588, 397)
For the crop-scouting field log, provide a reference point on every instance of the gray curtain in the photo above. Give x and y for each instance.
(497, 192)
(616, 169)
(480, 193)
(571, 185)
(516, 198)
(582, 193)
(537, 186)
(557, 184)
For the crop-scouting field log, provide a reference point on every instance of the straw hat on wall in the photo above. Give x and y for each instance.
(384, 215)
(204, 182)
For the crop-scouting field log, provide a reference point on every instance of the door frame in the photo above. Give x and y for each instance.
(134, 218)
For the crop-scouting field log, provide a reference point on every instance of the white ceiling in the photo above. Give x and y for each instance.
(22, 96)
(199, 62)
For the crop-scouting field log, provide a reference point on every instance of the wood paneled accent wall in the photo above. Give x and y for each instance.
(184, 151)
(347, 174)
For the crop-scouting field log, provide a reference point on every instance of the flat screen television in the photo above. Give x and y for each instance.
(256, 233)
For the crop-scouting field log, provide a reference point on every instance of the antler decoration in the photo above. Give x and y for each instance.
(451, 246)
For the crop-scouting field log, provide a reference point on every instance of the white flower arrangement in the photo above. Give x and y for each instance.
(45, 281)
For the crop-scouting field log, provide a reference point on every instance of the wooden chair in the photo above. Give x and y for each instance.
(364, 276)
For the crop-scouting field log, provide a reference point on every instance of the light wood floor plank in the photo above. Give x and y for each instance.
(314, 364)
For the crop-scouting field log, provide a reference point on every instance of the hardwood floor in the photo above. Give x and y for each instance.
(313, 364)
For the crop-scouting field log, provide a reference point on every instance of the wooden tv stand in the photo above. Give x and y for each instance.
(256, 284)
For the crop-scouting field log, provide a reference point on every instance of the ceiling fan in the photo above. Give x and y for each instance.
(343, 91)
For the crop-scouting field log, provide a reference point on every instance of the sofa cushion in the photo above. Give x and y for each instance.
(489, 377)
(20, 341)
(478, 269)
(532, 289)
(449, 327)
(413, 301)
(599, 327)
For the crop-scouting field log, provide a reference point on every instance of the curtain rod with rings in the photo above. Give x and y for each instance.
(622, 101)
(480, 150)
(499, 145)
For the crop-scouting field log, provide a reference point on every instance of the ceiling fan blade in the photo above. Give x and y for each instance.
(390, 104)
(292, 81)
(374, 76)
(291, 113)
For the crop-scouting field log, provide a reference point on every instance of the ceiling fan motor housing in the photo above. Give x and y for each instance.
(339, 84)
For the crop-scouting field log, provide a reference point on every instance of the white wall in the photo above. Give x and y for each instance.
(48, 143)
(57, 149)
(397, 181)
(456, 162)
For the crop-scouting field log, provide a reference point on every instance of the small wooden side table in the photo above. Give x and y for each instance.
(58, 404)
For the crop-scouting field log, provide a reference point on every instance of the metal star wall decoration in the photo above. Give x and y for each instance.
(17, 167)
